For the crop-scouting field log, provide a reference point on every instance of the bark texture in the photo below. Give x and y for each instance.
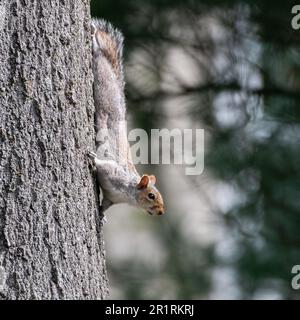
(51, 243)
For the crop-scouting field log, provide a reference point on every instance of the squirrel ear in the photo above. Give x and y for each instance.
(152, 179)
(144, 182)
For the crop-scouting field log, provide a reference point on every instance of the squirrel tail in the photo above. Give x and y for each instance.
(109, 41)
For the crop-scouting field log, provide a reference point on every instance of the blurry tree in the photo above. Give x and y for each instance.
(244, 89)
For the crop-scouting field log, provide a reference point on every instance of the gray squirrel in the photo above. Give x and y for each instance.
(117, 175)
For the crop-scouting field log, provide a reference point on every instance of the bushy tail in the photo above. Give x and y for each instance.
(109, 41)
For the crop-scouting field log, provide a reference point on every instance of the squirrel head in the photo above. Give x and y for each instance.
(148, 197)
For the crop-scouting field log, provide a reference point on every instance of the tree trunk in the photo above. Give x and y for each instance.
(51, 244)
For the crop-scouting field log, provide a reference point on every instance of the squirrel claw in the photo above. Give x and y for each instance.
(103, 220)
(92, 155)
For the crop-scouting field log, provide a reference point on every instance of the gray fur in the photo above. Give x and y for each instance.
(110, 113)
(117, 174)
(117, 37)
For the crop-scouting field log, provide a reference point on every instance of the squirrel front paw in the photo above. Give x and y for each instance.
(92, 155)
(103, 220)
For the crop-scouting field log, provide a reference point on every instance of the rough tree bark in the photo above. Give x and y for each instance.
(51, 244)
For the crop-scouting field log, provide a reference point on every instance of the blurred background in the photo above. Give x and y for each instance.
(232, 68)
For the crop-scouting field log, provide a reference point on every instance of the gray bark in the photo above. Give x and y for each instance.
(51, 244)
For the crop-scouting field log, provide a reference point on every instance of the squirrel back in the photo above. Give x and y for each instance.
(109, 97)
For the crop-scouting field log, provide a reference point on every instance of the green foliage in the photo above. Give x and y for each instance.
(247, 97)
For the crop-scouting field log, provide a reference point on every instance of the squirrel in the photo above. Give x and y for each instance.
(116, 173)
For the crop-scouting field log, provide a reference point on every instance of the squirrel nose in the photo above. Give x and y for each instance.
(160, 212)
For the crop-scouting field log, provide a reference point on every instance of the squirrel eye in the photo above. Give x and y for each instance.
(151, 196)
